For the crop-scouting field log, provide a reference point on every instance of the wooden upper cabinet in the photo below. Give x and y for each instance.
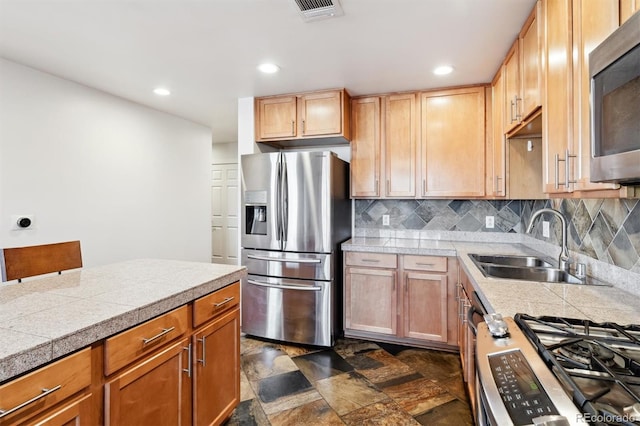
(400, 145)
(498, 159)
(320, 114)
(557, 122)
(628, 8)
(453, 142)
(523, 73)
(573, 28)
(366, 147)
(530, 63)
(512, 94)
(305, 115)
(593, 21)
(276, 117)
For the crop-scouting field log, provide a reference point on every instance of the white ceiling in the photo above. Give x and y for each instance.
(206, 51)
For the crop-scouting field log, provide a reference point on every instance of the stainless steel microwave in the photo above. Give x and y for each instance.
(614, 69)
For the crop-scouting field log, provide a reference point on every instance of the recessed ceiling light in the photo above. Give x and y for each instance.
(443, 70)
(268, 68)
(161, 91)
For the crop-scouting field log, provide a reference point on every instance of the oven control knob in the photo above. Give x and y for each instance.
(497, 326)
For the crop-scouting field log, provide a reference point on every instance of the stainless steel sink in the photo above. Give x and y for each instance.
(545, 274)
(510, 260)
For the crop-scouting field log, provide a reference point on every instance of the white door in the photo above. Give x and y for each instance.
(224, 213)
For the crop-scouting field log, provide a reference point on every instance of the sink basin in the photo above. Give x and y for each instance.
(510, 260)
(546, 274)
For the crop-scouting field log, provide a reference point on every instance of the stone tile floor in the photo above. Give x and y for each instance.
(354, 383)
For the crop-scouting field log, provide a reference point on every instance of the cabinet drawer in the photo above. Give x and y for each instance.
(377, 260)
(145, 338)
(45, 387)
(213, 304)
(425, 263)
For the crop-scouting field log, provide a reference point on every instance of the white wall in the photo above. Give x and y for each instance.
(224, 153)
(126, 180)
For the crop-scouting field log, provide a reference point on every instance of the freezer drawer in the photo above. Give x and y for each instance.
(289, 310)
(306, 266)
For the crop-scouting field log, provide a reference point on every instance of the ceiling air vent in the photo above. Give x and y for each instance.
(313, 10)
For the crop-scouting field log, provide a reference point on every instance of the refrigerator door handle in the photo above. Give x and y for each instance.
(273, 259)
(284, 287)
(278, 188)
(284, 201)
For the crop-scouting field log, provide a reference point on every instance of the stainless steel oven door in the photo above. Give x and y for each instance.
(290, 310)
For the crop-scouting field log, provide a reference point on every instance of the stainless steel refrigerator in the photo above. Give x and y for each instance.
(295, 213)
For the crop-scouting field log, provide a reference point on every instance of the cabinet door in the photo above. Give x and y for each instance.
(400, 145)
(155, 391)
(365, 147)
(425, 306)
(498, 163)
(453, 143)
(370, 300)
(75, 413)
(276, 118)
(557, 122)
(321, 114)
(530, 52)
(593, 21)
(512, 95)
(628, 8)
(217, 370)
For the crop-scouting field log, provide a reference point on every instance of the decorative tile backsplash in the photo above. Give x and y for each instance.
(604, 229)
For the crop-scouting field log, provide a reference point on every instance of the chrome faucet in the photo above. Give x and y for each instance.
(563, 260)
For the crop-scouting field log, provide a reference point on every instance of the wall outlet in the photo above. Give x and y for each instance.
(545, 229)
(20, 222)
(385, 220)
(489, 222)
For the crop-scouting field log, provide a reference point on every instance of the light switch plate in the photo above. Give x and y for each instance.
(385, 220)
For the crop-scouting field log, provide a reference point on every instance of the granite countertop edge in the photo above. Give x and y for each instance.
(40, 350)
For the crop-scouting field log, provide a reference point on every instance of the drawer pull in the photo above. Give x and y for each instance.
(283, 260)
(44, 393)
(164, 332)
(424, 264)
(371, 260)
(224, 302)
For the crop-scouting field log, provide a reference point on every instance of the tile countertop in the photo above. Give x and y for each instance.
(45, 318)
(508, 297)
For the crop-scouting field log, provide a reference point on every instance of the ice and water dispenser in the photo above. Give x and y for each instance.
(255, 212)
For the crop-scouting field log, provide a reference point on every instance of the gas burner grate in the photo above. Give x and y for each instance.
(597, 363)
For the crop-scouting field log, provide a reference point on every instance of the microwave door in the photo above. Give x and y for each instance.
(260, 209)
(306, 202)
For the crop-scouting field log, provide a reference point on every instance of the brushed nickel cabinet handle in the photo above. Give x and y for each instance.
(371, 260)
(567, 181)
(188, 369)
(164, 332)
(203, 360)
(557, 167)
(424, 264)
(303, 127)
(293, 127)
(224, 302)
(44, 393)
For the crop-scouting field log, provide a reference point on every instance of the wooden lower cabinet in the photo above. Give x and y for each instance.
(425, 306)
(370, 297)
(216, 373)
(155, 391)
(403, 299)
(466, 339)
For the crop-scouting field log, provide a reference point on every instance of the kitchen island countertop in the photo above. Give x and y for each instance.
(45, 318)
(508, 297)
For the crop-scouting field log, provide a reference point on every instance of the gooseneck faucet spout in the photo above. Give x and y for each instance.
(563, 260)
